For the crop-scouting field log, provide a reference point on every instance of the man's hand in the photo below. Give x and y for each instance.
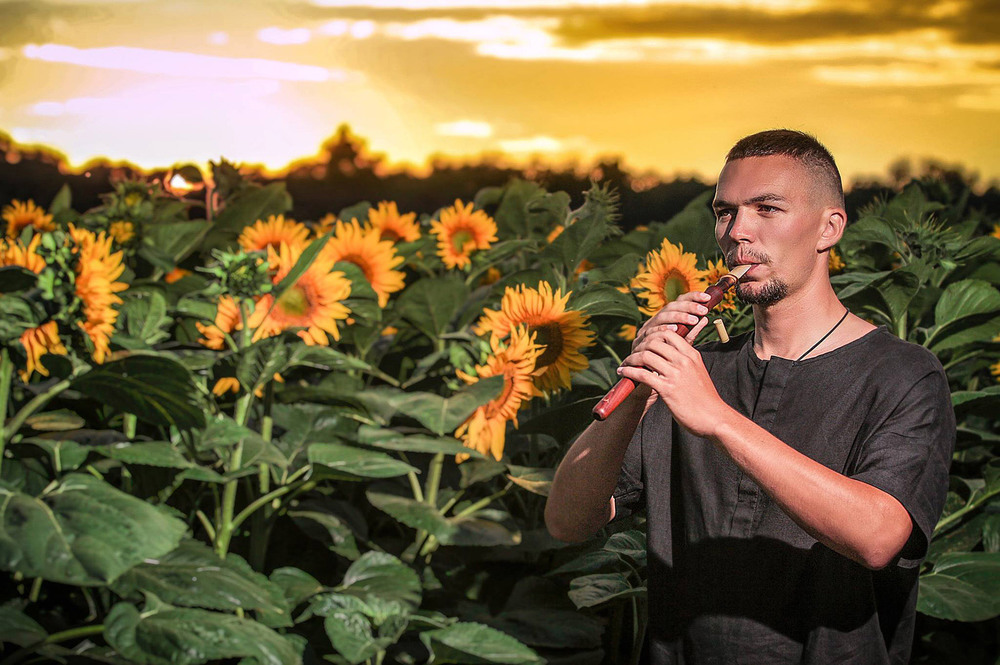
(673, 369)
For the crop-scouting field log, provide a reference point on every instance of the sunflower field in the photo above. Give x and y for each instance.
(231, 436)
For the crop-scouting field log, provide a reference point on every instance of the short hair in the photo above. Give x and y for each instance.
(798, 145)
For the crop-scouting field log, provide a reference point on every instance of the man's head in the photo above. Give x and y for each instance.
(780, 204)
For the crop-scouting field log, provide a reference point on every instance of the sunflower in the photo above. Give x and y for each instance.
(122, 231)
(19, 215)
(995, 370)
(485, 430)
(313, 303)
(555, 233)
(491, 276)
(627, 332)
(176, 275)
(668, 272)
(227, 320)
(272, 233)
(97, 269)
(230, 384)
(459, 231)
(376, 258)
(44, 338)
(391, 225)
(714, 273)
(834, 263)
(996, 231)
(561, 333)
(325, 225)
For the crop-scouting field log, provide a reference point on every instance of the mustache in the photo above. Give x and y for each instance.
(744, 254)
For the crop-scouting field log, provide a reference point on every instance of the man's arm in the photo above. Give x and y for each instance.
(579, 502)
(850, 517)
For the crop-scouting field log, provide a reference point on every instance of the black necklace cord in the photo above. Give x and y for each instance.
(821, 339)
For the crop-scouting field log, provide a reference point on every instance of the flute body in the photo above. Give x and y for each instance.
(623, 388)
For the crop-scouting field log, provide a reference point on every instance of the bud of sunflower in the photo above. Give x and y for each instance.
(243, 275)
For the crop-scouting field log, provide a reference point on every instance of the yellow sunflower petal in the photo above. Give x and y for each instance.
(18, 215)
(391, 225)
(716, 269)
(276, 230)
(97, 270)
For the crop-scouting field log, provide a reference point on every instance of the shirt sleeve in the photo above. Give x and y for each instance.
(908, 457)
(629, 493)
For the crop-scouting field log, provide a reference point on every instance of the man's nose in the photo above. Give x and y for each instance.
(740, 227)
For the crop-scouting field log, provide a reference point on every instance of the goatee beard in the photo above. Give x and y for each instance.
(770, 292)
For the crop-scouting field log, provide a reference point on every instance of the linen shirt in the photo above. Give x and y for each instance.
(732, 579)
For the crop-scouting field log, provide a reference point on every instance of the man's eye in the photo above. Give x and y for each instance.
(722, 215)
(764, 208)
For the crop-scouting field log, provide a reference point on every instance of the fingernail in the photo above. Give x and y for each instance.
(702, 309)
(619, 370)
(692, 319)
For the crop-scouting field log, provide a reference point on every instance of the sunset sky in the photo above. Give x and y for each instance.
(666, 84)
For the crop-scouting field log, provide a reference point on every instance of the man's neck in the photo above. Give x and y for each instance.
(790, 327)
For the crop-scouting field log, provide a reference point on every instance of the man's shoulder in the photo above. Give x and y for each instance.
(883, 351)
(718, 347)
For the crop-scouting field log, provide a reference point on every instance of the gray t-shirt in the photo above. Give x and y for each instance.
(732, 579)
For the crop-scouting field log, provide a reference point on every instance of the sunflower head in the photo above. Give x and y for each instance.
(314, 303)
(18, 215)
(121, 231)
(668, 272)
(393, 226)
(460, 231)
(485, 430)
(97, 272)
(560, 332)
(376, 258)
(271, 233)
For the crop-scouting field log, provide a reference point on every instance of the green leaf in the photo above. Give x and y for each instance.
(599, 588)
(511, 215)
(64, 455)
(296, 585)
(258, 363)
(153, 387)
(628, 543)
(962, 587)
(305, 260)
(16, 278)
(357, 461)
(18, 628)
(445, 414)
(693, 227)
(536, 481)
(151, 453)
(605, 300)
(415, 514)
(62, 201)
(143, 316)
(62, 420)
(383, 576)
(247, 208)
(551, 628)
(595, 221)
(962, 300)
(431, 303)
(153, 639)
(224, 432)
(591, 562)
(82, 531)
(193, 575)
(176, 240)
(468, 642)
(388, 439)
(351, 635)
(328, 529)
(983, 401)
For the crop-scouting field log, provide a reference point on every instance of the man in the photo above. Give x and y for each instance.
(791, 478)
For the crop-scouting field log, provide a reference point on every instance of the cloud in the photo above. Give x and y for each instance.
(283, 37)
(176, 63)
(542, 144)
(465, 128)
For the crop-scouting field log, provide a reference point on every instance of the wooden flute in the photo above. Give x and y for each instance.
(623, 388)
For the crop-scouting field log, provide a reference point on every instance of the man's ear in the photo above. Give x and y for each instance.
(834, 222)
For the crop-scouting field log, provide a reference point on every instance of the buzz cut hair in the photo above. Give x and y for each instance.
(797, 145)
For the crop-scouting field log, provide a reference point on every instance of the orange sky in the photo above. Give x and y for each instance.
(666, 84)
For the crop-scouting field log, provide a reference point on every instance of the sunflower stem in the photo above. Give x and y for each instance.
(10, 429)
(129, 422)
(227, 525)
(6, 373)
(433, 480)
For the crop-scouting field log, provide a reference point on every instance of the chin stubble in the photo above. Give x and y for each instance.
(770, 292)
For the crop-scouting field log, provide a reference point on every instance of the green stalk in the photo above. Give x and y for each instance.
(229, 504)
(961, 512)
(129, 422)
(485, 501)
(6, 372)
(54, 638)
(433, 480)
(11, 428)
(261, 501)
(36, 589)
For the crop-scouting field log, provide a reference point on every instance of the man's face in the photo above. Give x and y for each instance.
(769, 213)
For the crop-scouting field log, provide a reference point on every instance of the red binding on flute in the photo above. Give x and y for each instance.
(624, 387)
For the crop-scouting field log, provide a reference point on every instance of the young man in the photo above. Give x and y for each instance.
(791, 478)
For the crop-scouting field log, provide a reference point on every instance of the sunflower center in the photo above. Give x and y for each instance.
(549, 336)
(389, 234)
(460, 239)
(674, 285)
(361, 262)
(293, 302)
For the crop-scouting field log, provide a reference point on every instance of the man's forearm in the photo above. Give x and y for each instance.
(850, 517)
(579, 502)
